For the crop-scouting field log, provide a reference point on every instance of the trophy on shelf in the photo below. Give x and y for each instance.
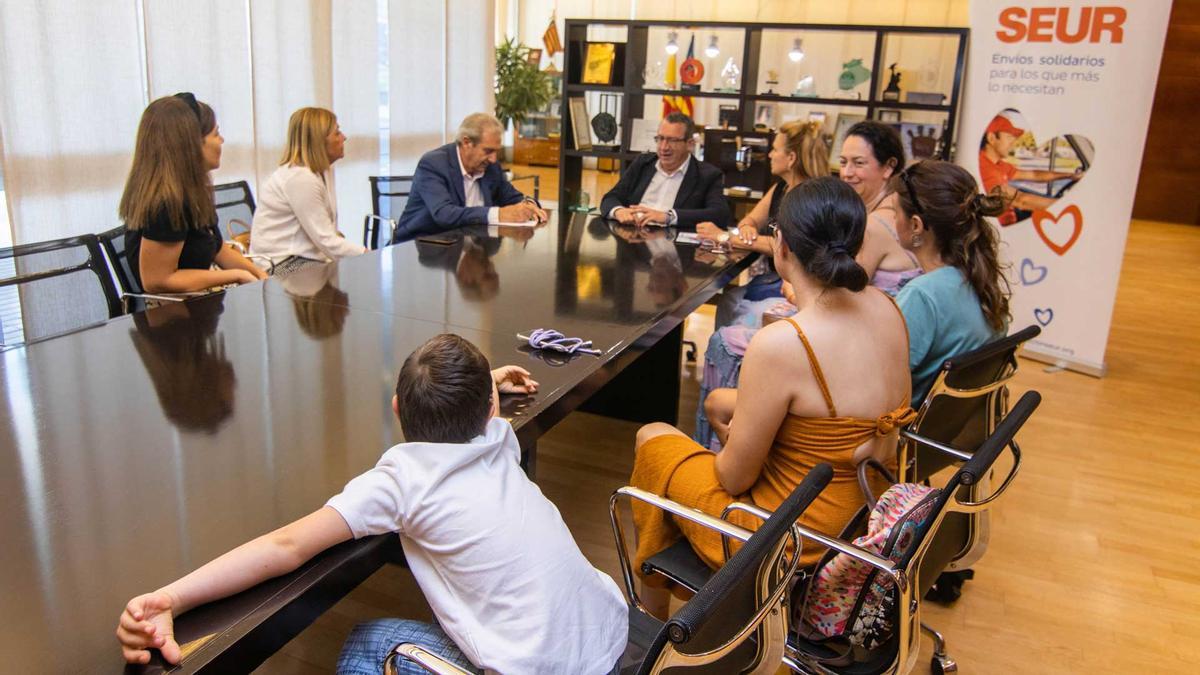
(892, 92)
(772, 81)
(805, 88)
(729, 75)
(853, 74)
(691, 73)
(655, 76)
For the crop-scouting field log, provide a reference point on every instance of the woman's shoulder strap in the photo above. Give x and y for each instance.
(816, 367)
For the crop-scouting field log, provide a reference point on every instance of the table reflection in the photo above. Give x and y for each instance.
(186, 359)
(321, 307)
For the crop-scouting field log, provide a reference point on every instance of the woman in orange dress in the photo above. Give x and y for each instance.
(831, 384)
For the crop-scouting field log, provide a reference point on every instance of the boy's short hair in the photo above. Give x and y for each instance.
(444, 391)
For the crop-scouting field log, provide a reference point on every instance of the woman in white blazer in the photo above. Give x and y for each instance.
(296, 220)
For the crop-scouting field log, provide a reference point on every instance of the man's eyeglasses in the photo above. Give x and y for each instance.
(906, 178)
(659, 140)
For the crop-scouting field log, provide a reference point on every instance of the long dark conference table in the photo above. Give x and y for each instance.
(137, 450)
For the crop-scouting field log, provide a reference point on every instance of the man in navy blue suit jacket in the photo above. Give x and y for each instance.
(461, 184)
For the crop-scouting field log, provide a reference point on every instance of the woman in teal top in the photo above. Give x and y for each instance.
(961, 302)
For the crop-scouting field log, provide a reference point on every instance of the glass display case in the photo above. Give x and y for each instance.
(751, 77)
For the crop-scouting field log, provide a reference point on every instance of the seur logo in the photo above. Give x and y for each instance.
(1062, 24)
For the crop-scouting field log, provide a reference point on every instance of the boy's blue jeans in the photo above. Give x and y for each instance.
(370, 643)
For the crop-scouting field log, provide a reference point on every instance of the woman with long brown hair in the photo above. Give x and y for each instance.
(296, 221)
(172, 238)
(797, 154)
(961, 302)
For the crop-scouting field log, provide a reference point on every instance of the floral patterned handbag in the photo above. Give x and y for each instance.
(848, 598)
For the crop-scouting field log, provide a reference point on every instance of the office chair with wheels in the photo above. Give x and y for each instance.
(967, 400)
(54, 287)
(910, 575)
(736, 623)
(389, 196)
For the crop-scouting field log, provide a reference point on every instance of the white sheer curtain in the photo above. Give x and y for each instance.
(70, 96)
(74, 80)
(213, 63)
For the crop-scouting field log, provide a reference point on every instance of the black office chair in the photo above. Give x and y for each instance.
(389, 196)
(132, 296)
(967, 400)
(235, 212)
(736, 623)
(911, 575)
(61, 286)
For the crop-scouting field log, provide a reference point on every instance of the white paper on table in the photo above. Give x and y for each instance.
(528, 223)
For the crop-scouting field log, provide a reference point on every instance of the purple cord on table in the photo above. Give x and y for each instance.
(548, 338)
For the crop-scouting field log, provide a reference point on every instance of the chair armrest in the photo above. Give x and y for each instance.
(422, 657)
(982, 504)
(391, 231)
(726, 529)
(882, 564)
(172, 297)
(941, 447)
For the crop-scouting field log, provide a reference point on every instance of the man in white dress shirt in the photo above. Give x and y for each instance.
(669, 186)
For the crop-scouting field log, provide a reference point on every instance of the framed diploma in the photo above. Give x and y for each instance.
(579, 123)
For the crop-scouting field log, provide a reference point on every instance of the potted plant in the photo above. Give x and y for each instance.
(520, 87)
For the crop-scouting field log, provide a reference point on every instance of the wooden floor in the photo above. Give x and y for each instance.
(1094, 564)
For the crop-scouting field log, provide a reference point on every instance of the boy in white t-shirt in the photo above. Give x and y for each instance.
(510, 589)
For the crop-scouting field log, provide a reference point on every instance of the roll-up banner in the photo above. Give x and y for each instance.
(1057, 105)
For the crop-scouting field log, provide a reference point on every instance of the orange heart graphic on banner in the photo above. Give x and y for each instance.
(1065, 227)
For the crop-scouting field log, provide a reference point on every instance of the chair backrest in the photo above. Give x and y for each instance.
(742, 600)
(923, 560)
(61, 286)
(976, 470)
(966, 402)
(235, 207)
(389, 196)
(113, 243)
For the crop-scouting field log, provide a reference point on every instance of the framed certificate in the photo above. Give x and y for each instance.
(580, 123)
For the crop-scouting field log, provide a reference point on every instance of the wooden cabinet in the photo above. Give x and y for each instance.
(536, 150)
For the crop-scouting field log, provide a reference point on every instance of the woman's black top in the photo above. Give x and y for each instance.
(200, 245)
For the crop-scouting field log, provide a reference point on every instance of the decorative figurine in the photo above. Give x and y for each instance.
(654, 76)
(805, 88)
(772, 81)
(730, 74)
(892, 92)
(853, 74)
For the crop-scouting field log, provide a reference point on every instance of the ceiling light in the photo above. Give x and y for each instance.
(797, 52)
(712, 51)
